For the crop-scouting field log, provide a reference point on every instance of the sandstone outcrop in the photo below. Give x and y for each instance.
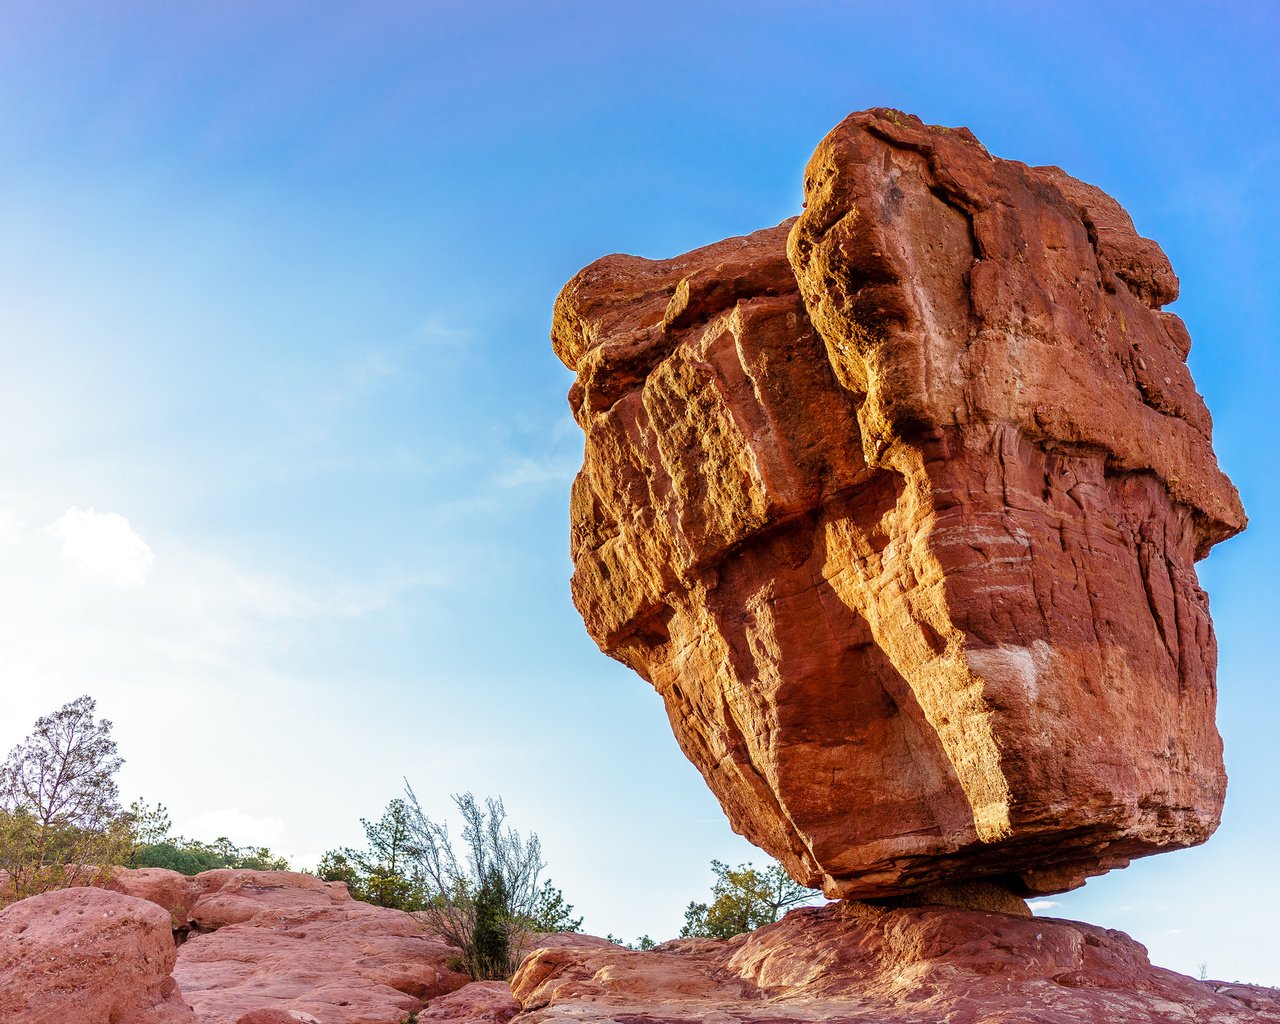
(897, 506)
(854, 963)
(88, 956)
(287, 943)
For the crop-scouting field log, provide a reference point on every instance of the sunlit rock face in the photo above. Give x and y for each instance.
(897, 506)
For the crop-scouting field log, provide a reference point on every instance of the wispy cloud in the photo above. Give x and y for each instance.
(1039, 906)
(274, 597)
(537, 471)
(441, 335)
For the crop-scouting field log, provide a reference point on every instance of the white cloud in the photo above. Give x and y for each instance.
(241, 828)
(103, 545)
(1038, 906)
(11, 529)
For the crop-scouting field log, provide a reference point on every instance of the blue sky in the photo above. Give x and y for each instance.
(287, 452)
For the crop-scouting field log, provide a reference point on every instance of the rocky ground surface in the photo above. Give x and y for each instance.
(285, 948)
(279, 940)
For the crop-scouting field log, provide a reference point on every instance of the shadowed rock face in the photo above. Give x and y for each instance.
(897, 506)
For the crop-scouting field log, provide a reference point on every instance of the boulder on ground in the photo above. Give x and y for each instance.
(481, 1002)
(90, 957)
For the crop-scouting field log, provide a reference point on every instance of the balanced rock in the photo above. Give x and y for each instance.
(897, 506)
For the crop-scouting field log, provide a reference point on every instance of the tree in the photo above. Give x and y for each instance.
(743, 899)
(493, 887)
(642, 943)
(60, 815)
(551, 913)
(491, 939)
(384, 873)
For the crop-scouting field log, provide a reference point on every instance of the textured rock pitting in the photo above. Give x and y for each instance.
(89, 957)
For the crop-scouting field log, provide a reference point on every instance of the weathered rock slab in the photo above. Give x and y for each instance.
(897, 506)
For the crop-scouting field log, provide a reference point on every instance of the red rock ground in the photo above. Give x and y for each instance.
(287, 949)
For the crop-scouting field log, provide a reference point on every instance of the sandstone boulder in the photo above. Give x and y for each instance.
(88, 956)
(897, 506)
(175, 892)
(481, 1002)
(855, 963)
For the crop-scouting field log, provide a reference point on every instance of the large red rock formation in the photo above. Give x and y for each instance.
(854, 963)
(88, 956)
(897, 506)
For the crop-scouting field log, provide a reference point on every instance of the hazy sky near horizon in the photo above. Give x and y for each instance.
(285, 478)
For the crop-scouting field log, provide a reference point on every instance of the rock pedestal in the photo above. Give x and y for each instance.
(897, 506)
(858, 965)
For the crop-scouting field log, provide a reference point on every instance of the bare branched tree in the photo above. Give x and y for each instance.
(494, 888)
(60, 815)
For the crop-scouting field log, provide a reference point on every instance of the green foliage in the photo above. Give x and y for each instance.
(551, 913)
(384, 873)
(150, 824)
(491, 943)
(60, 816)
(642, 943)
(492, 887)
(337, 866)
(191, 856)
(743, 899)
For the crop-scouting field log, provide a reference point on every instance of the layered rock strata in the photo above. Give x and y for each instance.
(897, 506)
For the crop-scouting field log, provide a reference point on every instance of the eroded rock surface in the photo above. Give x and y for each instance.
(854, 963)
(287, 943)
(897, 506)
(481, 1002)
(88, 956)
